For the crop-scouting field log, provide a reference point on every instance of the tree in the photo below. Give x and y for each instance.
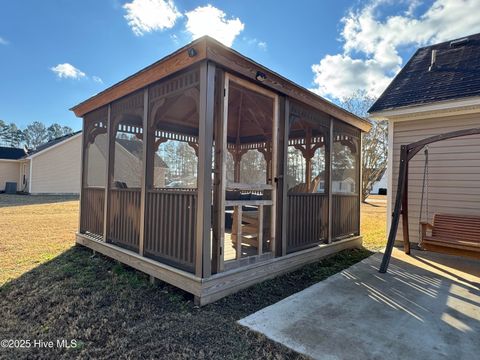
(35, 134)
(56, 130)
(375, 142)
(14, 136)
(10, 135)
(3, 132)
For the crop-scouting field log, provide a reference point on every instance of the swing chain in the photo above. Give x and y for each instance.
(424, 187)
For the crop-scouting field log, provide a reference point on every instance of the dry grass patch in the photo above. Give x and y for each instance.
(33, 230)
(373, 225)
(112, 310)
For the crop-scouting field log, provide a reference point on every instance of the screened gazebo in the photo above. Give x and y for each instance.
(210, 172)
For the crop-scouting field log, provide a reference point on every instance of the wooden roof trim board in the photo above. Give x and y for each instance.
(231, 60)
(170, 64)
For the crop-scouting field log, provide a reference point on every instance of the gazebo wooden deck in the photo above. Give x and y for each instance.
(210, 172)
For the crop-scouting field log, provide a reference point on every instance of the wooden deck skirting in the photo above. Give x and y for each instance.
(217, 286)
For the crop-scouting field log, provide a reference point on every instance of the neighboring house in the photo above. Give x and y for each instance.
(380, 184)
(54, 167)
(13, 168)
(127, 168)
(344, 186)
(438, 91)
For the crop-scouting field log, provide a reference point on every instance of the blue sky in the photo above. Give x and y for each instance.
(54, 54)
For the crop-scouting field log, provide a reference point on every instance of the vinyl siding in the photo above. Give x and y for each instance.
(454, 169)
(57, 170)
(9, 172)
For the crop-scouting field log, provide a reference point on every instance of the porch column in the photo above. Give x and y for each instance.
(109, 175)
(145, 173)
(204, 183)
(82, 175)
(329, 181)
(284, 127)
(308, 159)
(220, 176)
(360, 180)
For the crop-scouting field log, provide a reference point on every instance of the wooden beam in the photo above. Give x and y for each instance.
(219, 177)
(273, 175)
(229, 282)
(204, 182)
(415, 147)
(406, 234)
(109, 174)
(147, 168)
(173, 63)
(248, 202)
(238, 215)
(233, 60)
(360, 181)
(283, 208)
(329, 188)
(402, 175)
(260, 230)
(82, 174)
(248, 187)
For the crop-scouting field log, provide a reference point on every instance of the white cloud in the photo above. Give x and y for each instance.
(67, 71)
(145, 16)
(3, 41)
(97, 79)
(262, 45)
(208, 20)
(371, 44)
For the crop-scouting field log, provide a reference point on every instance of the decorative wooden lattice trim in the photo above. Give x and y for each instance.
(129, 129)
(249, 146)
(297, 110)
(342, 129)
(95, 124)
(131, 104)
(177, 84)
(169, 135)
(320, 140)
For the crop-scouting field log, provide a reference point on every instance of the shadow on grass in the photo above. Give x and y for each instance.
(7, 200)
(113, 311)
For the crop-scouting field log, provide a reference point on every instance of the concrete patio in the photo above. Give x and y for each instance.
(426, 307)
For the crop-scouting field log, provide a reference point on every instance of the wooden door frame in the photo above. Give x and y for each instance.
(229, 77)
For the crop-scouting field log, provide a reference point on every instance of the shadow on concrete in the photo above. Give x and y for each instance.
(416, 310)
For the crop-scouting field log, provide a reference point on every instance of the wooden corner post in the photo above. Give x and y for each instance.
(282, 174)
(109, 174)
(203, 244)
(330, 196)
(83, 172)
(145, 173)
(219, 175)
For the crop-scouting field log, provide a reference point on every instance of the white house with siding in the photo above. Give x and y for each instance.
(54, 167)
(438, 91)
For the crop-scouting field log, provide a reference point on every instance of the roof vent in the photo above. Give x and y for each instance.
(459, 42)
(433, 62)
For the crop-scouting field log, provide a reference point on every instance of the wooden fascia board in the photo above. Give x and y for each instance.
(230, 60)
(157, 71)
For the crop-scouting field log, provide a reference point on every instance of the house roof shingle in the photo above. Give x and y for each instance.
(53, 142)
(456, 75)
(136, 148)
(9, 153)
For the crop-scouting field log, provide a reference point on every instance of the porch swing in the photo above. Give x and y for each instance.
(452, 234)
(455, 234)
